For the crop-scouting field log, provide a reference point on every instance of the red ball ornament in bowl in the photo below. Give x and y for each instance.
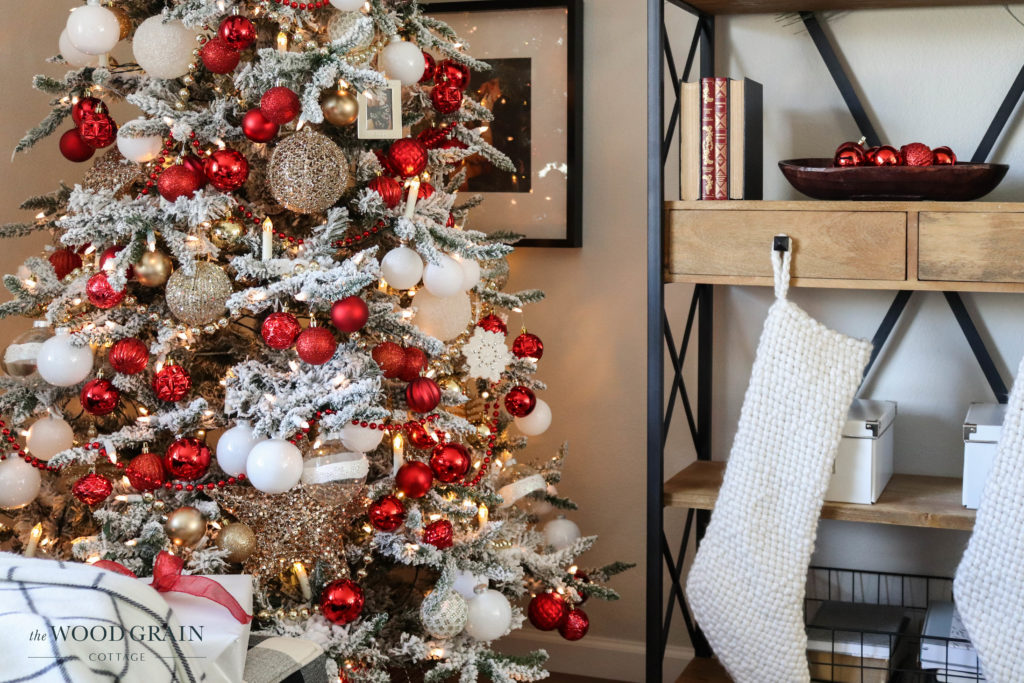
(128, 356)
(257, 128)
(85, 106)
(145, 472)
(187, 459)
(528, 345)
(415, 362)
(350, 314)
(390, 357)
(388, 188)
(520, 401)
(422, 394)
(280, 330)
(64, 261)
(576, 625)
(386, 514)
(446, 98)
(341, 601)
(98, 129)
(92, 489)
(917, 154)
(849, 154)
(219, 57)
(408, 157)
(943, 156)
(414, 479)
(418, 436)
(547, 611)
(237, 31)
(101, 293)
(884, 156)
(99, 397)
(74, 148)
(226, 169)
(452, 72)
(493, 323)
(179, 181)
(440, 534)
(171, 383)
(449, 462)
(280, 105)
(316, 345)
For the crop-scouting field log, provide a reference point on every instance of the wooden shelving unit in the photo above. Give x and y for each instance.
(702, 670)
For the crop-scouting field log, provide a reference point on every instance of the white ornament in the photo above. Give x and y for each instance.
(487, 355)
(403, 60)
(466, 583)
(139, 150)
(443, 278)
(60, 363)
(274, 466)
(234, 447)
(470, 272)
(19, 483)
(347, 5)
(540, 506)
(93, 30)
(402, 267)
(560, 533)
(443, 319)
(490, 616)
(164, 50)
(48, 436)
(360, 439)
(72, 55)
(537, 422)
(444, 618)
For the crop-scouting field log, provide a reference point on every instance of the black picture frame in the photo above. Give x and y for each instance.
(573, 237)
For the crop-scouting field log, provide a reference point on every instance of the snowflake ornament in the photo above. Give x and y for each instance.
(486, 354)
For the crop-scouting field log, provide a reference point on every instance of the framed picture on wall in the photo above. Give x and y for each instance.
(534, 89)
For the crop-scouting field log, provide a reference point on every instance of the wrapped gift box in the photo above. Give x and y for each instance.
(864, 463)
(982, 428)
(855, 642)
(948, 652)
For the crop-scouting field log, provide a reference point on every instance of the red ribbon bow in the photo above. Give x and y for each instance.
(167, 578)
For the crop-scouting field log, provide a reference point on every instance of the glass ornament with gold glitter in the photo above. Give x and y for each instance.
(307, 172)
(199, 298)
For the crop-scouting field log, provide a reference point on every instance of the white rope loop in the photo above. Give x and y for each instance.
(780, 268)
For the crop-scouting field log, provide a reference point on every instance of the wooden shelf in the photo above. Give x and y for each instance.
(908, 500)
(702, 670)
(774, 6)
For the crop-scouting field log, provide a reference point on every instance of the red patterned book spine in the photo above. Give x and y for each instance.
(707, 138)
(721, 139)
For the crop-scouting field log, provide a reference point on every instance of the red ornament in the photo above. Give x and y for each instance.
(219, 57)
(418, 436)
(493, 323)
(280, 330)
(386, 165)
(64, 261)
(171, 383)
(111, 252)
(582, 578)
(191, 161)
(450, 223)
(179, 181)
(426, 191)
(849, 154)
(943, 156)
(92, 489)
(408, 157)
(86, 105)
(449, 461)
(528, 345)
(74, 148)
(350, 314)
(387, 513)
(432, 138)
(547, 611)
(280, 105)
(99, 397)
(237, 31)
(414, 362)
(100, 293)
(98, 129)
(520, 401)
(452, 72)
(446, 97)
(257, 128)
(422, 394)
(128, 356)
(388, 188)
(884, 156)
(316, 345)
(187, 459)
(414, 479)
(917, 154)
(440, 534)
(342, 601)
(390, 357)
(226, 169)
(146, 472)
(576, 625)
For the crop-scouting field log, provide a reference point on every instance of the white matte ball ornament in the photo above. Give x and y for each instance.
(403, 60)
(490, 616)
(360, 439)
(443, 279)
(443, 319)
(466, 582)
(560, 533)
(402, 267)
(139, 150)
(93, 30)
(470, 273)
(537, 422)
(48, 436)
(347, 5)
(164, 50)
(60, 363)
(19, 483)
(274, 466)
(234, 447)
(72, 55)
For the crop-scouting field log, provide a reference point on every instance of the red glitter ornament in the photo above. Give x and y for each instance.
(226, 169)
(390, 357)
(128, 356)
(193, 162)
(64, 261)
(917, 154)
(74, 148)
(219, 57)
(493, 323)
(111, 252)
(280, 330)
(449, 462)
(520, 401)
(528, 345)
(280, 105)
(316, 345)
(237, 31)
(342, 601)
(429, 66)
(99, 397)
(98, 129)
(576, 625)
(146, 472)
(178, 181)
(422, 394)
(440, 534)
(171, 383)
(414, 479)
(386, 514)
(257, 128)
(849, 154)
(350, 314)
(187, 459)
(408, 157)
(451, 72)
(389, 189)
(92, 489)
(446, 97)
(414, 363)
(883, 156)
(86, 105)
(547, 611)
(101, 294)
(943, 156)
(418, 436)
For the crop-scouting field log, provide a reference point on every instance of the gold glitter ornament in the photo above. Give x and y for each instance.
(307, 172)
(113, 172)
(239, 540)
(227, 234)
(340, 108)
(185, 526)
(351, 26)
(153, 268)
(199, 298)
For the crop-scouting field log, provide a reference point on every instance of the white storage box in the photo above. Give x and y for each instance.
(864, 463)
(949, 652)
(982, 428)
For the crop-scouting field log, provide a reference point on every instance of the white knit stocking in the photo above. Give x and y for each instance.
(989, 584)
(747, 583)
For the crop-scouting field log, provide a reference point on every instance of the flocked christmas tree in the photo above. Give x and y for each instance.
(246, 261)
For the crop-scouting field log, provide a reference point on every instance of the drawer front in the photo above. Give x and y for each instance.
(971, 247)
(853, 246)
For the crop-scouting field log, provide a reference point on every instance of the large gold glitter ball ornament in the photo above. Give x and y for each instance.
(307, 172)
(185, 526)
(238, 539)
(227, 234)
(340, 108)
(199, 298)
(153, 268)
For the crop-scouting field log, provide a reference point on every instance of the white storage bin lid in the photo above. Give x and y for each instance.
(984, 422)
(869, 419)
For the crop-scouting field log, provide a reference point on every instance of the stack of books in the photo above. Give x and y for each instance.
(722, 142)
